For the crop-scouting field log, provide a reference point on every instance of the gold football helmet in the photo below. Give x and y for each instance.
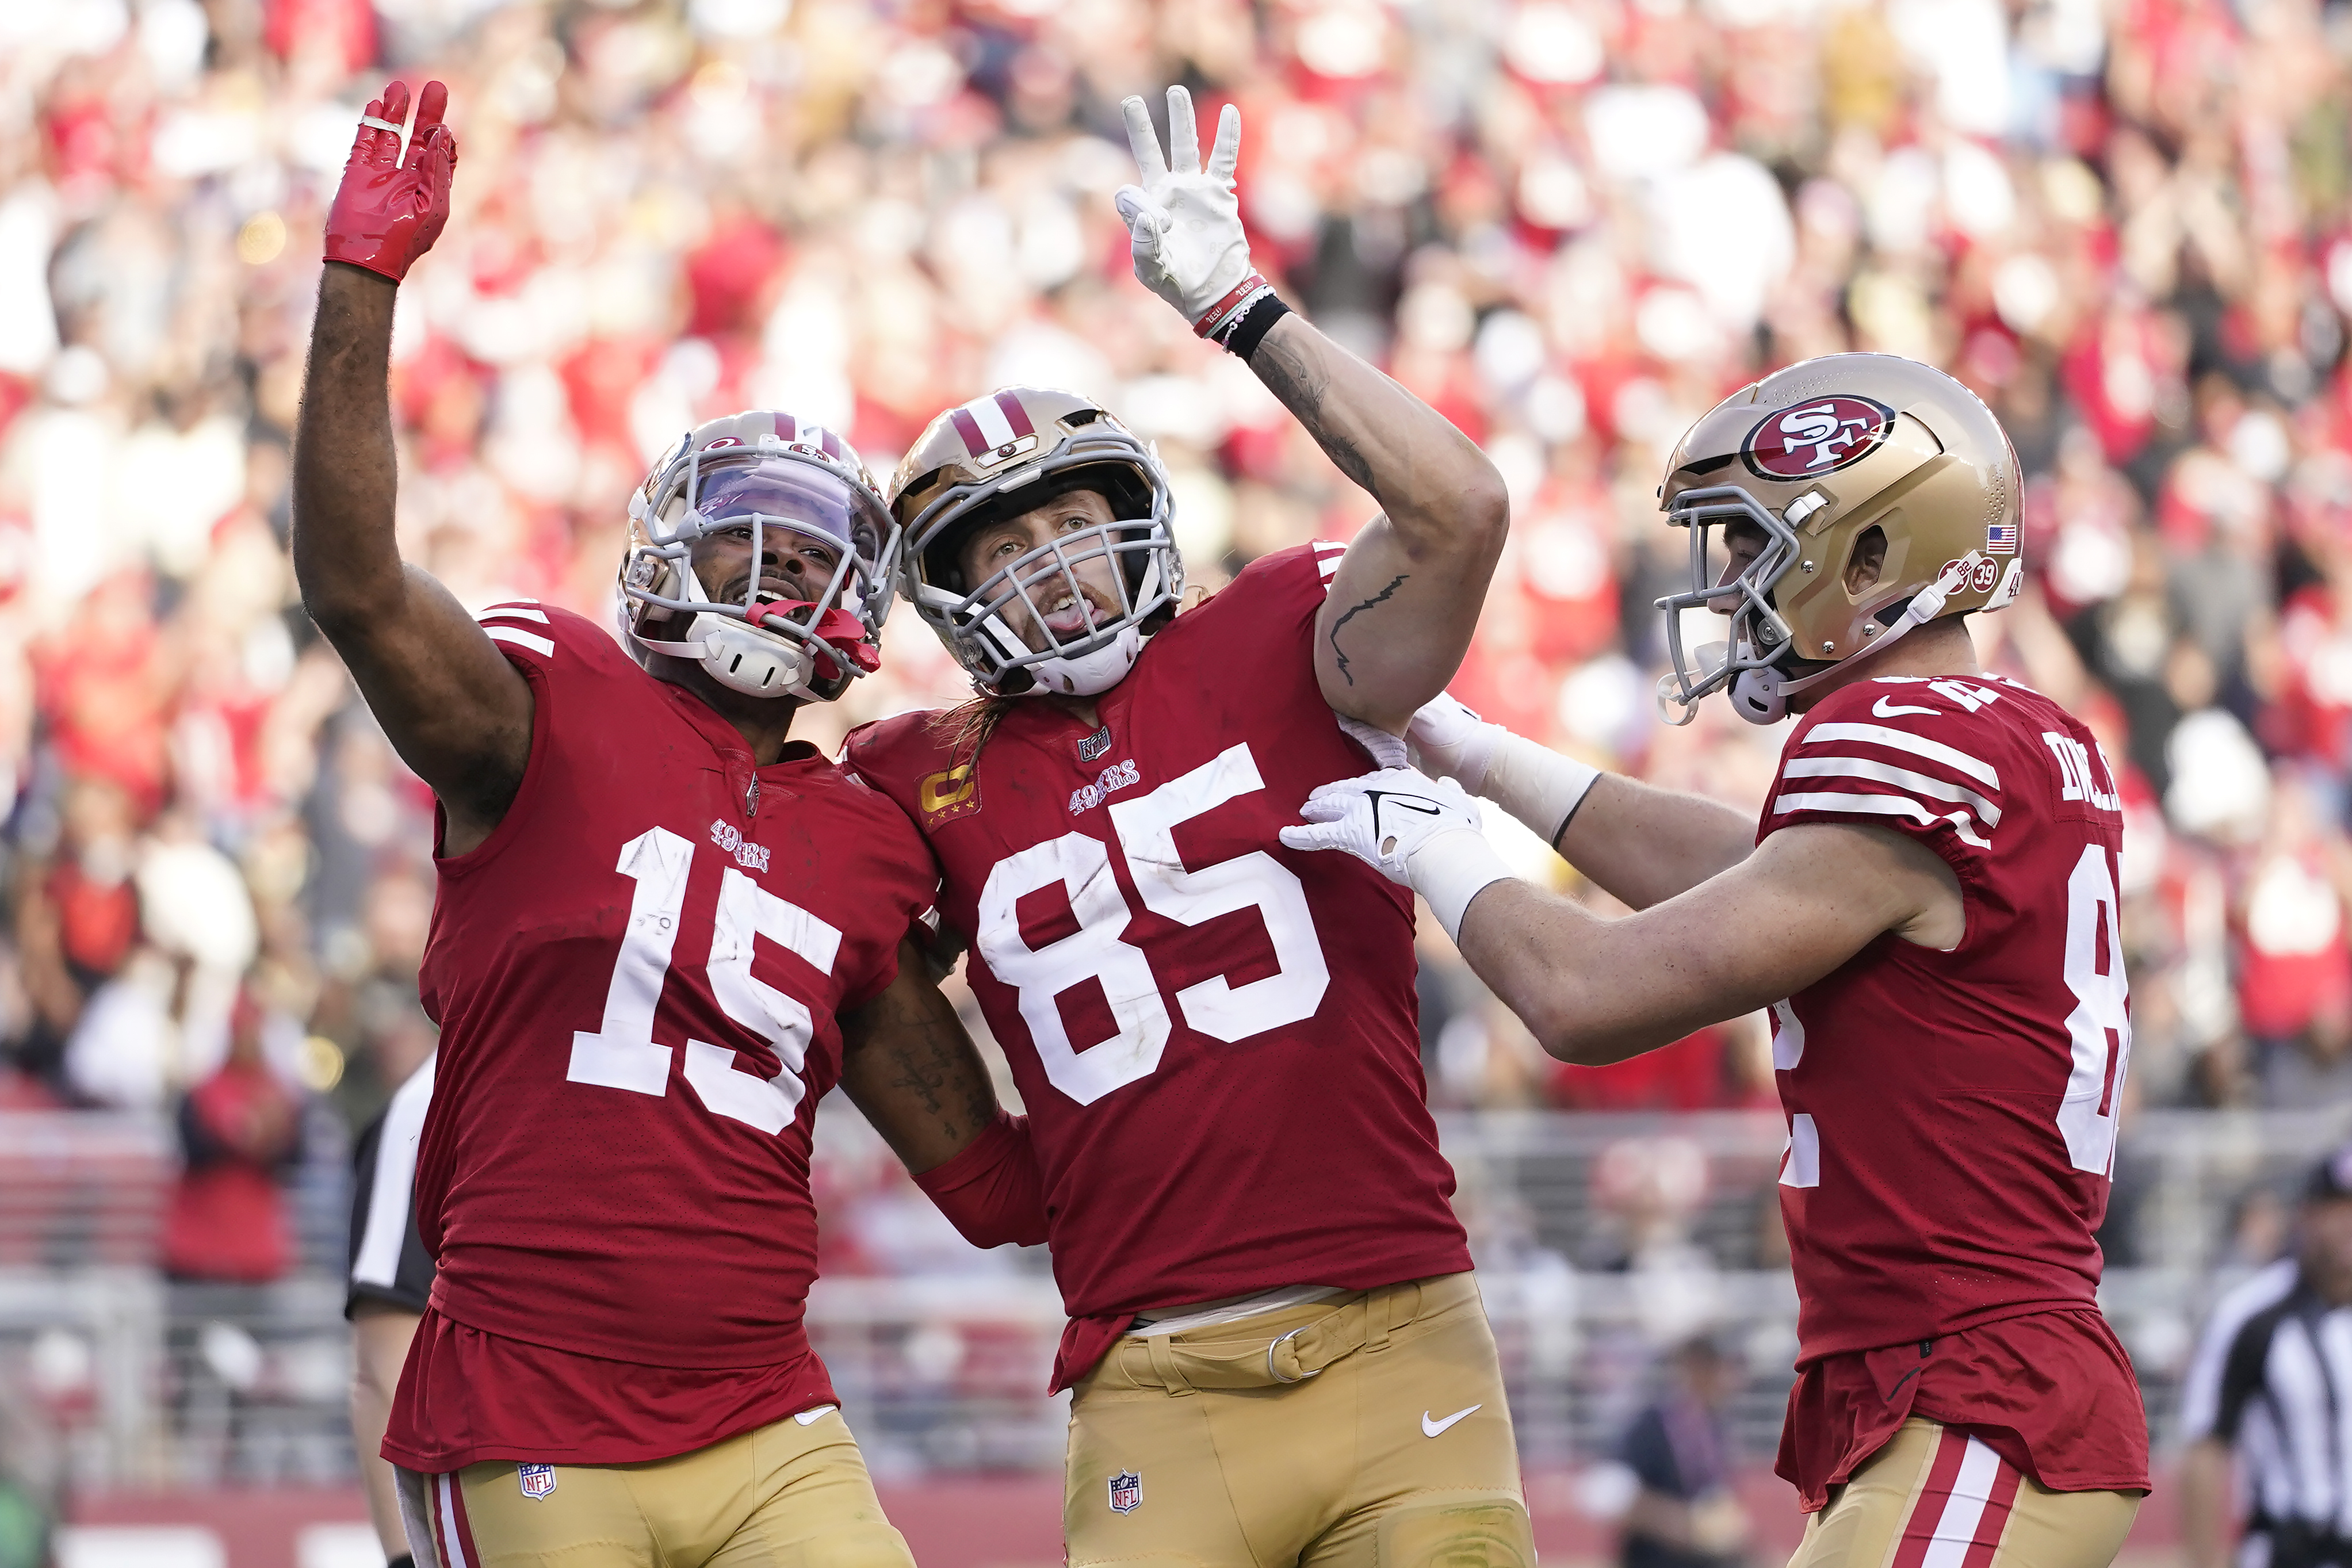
(1819, 456)
(1003, 454)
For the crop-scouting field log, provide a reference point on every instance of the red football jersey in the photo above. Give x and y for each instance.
(1216, 1037)
(637, 978)
(1952, 1115)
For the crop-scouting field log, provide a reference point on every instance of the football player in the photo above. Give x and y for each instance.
(1278, 1352)
(1929, 911)
(664, 930)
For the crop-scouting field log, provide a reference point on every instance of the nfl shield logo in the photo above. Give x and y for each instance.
(1126, 1492)
(538, 1480)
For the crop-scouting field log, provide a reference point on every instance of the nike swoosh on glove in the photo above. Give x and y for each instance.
(1184, 222)
(389, 210)
(1411, 828)
(1384, 818)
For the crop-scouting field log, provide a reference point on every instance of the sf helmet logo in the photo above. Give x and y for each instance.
(1816, 438)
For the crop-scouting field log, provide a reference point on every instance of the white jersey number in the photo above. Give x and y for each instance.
(1098, 950)
(622, 1053)
(2100, 1024)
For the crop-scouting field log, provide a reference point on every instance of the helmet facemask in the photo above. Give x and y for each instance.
(763, 643)
(1147, 575)
(1759, 644)
(1759, 662)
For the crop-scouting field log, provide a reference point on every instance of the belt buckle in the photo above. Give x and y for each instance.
(1274, 1372)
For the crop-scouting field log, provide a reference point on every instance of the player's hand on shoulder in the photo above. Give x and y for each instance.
(390, 208)
(1383, 818)
(1184, 221)
(1448, 740)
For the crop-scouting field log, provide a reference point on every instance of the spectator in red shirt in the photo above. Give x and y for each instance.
(239, 1130)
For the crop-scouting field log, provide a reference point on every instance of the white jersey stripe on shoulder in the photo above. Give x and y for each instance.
(513, 613)
(1881, 806)
(994, 429)
(1866, 805)
(1904, 741)
(544, 647)
(1888, 773)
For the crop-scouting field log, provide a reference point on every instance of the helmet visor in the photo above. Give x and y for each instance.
(781, 492)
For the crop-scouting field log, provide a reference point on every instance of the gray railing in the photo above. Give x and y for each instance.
(1600, 1240)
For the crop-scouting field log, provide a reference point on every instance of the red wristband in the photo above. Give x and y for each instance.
(1222, 313)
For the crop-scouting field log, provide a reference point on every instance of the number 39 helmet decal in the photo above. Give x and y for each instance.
(1818, 458)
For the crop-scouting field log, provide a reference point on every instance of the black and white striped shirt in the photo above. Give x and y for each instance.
(389, 1262)
(2272, 1378)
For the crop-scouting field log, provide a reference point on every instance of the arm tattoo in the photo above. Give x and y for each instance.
(1394, 584)
(1301, 387)
(923, 1063)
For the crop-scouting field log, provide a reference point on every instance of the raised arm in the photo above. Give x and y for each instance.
(1407, 596)
(452, 706)
(1596, 991)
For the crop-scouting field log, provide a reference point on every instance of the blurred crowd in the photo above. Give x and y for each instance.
(1572, 225)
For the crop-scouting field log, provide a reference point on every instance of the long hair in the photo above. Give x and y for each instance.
(970, 723)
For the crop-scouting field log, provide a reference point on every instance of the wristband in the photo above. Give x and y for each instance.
(406, 1560)
(1537, 784)
(1241, 339)
(1227, 310)
(1452, 869)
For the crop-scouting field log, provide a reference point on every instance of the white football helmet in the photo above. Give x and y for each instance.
(767, 472)
(1006, 453)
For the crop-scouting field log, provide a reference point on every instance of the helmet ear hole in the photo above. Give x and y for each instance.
(1865, 561)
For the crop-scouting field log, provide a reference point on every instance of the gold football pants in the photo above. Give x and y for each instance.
(1934, 1496)
(1369, 1431)
(786, 1495)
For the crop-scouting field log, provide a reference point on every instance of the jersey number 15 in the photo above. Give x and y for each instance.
(622, 1053)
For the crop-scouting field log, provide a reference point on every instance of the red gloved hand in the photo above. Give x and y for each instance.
(387, 212)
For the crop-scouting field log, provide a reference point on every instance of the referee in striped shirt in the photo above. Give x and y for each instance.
(2268, 1396)
(391, 1282)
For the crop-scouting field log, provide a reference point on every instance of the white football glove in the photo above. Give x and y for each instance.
(1534, 784)
(1184, 223)
(1449, 741)
(1411, 828)
(1386, 751)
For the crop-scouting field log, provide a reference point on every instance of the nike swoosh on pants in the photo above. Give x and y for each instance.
(1432, 1429)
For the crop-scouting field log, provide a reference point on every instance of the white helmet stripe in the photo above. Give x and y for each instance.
(995, 429)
